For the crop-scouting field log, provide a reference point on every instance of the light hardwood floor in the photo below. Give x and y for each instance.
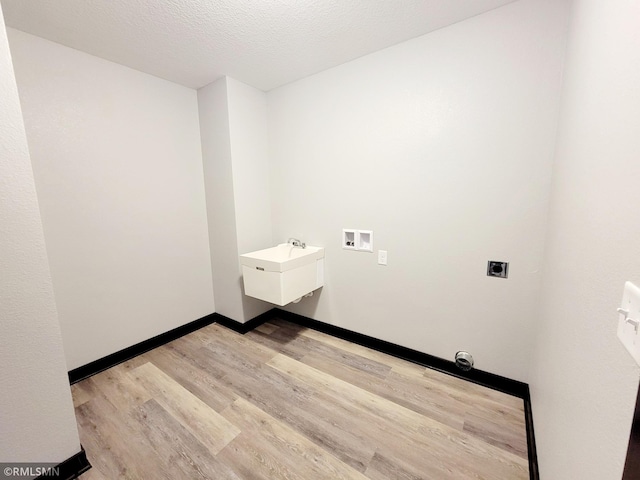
(286, 402)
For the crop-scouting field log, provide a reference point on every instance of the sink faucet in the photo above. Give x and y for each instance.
(297, 243)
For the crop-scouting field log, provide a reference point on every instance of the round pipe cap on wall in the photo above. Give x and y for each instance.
(464, 361)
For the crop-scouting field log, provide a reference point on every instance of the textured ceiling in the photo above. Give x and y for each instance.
(264, 43)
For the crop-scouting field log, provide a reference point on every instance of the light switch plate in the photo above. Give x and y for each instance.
(629, 320)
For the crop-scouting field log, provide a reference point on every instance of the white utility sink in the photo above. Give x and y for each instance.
(283, 273)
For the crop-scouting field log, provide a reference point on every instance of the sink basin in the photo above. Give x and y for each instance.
(282, 258)
(283, 273)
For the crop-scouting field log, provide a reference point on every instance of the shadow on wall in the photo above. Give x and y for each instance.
(307, 306)
(251, 307)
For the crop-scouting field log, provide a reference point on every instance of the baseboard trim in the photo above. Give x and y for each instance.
(97, 366)
(71, 468)
(246, 327)
(534, 473)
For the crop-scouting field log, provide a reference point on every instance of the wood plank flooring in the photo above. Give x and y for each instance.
(286, 402)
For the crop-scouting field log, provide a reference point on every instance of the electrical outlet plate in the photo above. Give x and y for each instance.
(629, 320)
(497, 269)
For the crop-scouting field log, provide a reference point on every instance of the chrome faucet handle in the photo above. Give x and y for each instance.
(296, 243)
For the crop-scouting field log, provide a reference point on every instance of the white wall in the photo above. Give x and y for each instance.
(36, 411)
(218, 175)
(250, 154)
(234, 148)
(583, 382)
(118, 169)
(251, 180)
(443, 146)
